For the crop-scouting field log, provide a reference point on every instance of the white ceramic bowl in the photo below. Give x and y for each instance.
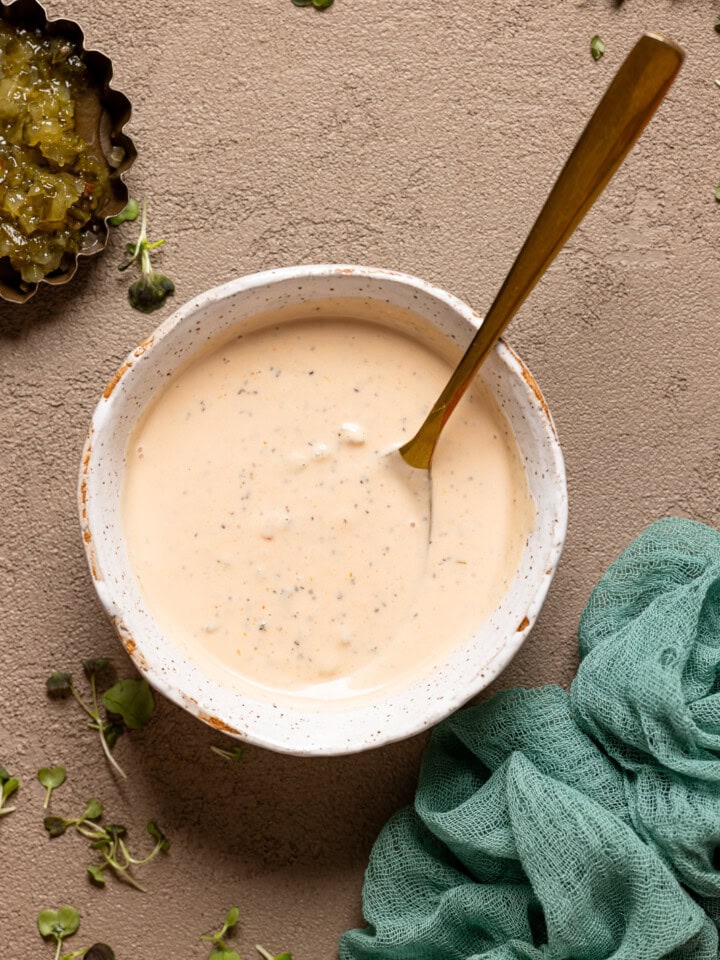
(278, 725)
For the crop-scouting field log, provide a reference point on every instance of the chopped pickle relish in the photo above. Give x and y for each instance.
(51, 182)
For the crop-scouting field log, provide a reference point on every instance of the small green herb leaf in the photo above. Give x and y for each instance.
(149, 293)
(9, 787)
(51, 778)
(219, 951)
(55, 826)
(322, 4)
(159, 837)
(95, 665)
(717, 192)
(93, 810)
(97, 875)
(597, 47)
(100, 951)
(112, 732)
(266, 955)
(130, 212)
(59, 684)
(231, 920)
(58, 923)
(132, 700)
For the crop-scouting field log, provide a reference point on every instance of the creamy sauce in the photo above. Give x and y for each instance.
(276, 542)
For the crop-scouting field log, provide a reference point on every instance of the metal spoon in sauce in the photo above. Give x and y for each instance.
(628, 105)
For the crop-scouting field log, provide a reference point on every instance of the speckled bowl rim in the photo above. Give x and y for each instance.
(403, 725)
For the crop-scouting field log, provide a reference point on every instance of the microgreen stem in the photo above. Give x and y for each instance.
(106, 749)
(121, 872)
(88, 834)
(139, 863)
(142, 238)
(86, 708)
(101, 730)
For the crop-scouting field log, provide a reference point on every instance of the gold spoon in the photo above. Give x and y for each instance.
(621, 116)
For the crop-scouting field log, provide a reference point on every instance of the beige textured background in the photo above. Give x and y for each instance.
(414, 134)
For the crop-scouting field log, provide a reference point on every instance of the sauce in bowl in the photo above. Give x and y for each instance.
(276, 542)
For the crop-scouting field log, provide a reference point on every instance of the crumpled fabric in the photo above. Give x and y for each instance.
(580, 826)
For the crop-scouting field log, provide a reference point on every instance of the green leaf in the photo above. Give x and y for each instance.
(9, 787)
(149, 293)
(302, 3)
(597, 47)
(93, 810)
(97, 875)
(96, 665)
(231, 920)
(55, 826)
(52, 777)
(69, 919)
(717, 192)
(100, 951)
(116, 830)
(221, 952)
(322, 4)
(59, 684)
(46, 921)
(266, 955)
(159, 837)
(4, 775)
(130, 212)
(113, 731)
(58, 923)
(132, 700)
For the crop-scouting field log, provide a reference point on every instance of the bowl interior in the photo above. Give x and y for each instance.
(292, 726)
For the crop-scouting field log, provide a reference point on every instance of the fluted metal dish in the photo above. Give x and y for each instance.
(100, 118)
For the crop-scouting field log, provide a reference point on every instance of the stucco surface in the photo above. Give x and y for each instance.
(410, 134)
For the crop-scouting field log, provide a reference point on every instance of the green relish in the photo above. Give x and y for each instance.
(51, 182)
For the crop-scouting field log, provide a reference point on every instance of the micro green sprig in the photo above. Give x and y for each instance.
(318, 4)
(128, 704)
(151, 291)
(232, 756)
(51, 778)
(8, 786)
(58, 925)
(597, 47)
(220, 950)
(129, 213)
(62, 923)
(266, 955)
(109, 841)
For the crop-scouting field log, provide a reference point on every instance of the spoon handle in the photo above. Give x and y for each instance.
(621, 116)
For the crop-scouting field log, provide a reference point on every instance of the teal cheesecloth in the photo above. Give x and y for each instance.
(580, 826)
